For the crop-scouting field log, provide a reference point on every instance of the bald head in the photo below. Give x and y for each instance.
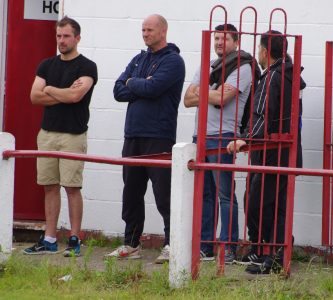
(158, 20)
(154, 32)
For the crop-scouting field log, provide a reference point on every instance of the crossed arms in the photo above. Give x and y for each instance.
(42, 94)
(214, 97)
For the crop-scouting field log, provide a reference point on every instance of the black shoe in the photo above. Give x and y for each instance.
(73, 248)
(42, 247)
(270, 265)
(251, 258)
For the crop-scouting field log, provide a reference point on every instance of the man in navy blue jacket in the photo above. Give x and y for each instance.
(152, 84)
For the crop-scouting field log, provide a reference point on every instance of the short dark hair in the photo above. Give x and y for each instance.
(276, 43)
(68, 21)
(228, 27)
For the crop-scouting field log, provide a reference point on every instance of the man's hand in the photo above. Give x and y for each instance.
(197, 91)
(235, 146)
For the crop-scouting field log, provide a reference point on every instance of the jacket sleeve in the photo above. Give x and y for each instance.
(258, 130)
(169, 71)
(120, 91)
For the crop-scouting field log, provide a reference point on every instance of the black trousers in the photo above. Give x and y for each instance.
(135, 187)
(269, 204)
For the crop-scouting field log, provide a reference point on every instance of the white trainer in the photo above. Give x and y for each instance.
(164, 256)
(125, 252)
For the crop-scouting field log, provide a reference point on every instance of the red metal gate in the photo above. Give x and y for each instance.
(278, 141)
(29, 41)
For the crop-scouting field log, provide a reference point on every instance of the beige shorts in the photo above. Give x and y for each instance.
(65, 172)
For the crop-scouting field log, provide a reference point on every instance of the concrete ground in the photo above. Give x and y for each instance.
(95, 261)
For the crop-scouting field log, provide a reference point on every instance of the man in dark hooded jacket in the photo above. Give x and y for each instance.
(152, 85)
(276, 67)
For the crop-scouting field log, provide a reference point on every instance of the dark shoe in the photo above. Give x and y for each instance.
(42, 247)
(251, 258)
(73, 248)
(270, 265)
(229, 257)
(206, 256)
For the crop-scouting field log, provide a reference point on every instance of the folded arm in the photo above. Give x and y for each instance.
(120, 91)
(38, 95)
(214, 97)
(167, 74)
(74, 93)
(41, 94)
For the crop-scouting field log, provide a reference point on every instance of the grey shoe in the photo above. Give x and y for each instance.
(206, 256)
(229, 257)
(164, 256)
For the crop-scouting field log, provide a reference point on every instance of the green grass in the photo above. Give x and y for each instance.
(21, 278)
(102, 241)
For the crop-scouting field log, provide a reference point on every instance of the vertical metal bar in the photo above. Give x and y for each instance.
(294, 124)
(220, 260)
(246, 201)
(281, 118)
(201, 151)
(327, 155)
(217, 185)
(212, 12)
(280, 115)
(3, 45)
(221, 113)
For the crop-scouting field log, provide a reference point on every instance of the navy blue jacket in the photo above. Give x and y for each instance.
(153, 92)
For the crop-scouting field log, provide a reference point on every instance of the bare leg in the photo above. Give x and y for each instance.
(75, 207)
(52, 208)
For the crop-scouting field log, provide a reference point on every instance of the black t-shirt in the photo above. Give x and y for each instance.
(62, 117)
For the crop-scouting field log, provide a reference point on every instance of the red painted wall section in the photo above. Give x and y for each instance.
(28, 43)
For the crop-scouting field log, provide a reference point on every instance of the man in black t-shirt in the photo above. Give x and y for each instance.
(63, 85)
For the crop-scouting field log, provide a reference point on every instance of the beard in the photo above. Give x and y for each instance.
(65, 50)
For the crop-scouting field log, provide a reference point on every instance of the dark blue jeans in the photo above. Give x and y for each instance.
(224, 194)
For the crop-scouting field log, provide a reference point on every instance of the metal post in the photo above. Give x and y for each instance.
(7, 141)
(182, 190)
(293, 153)
(201, 152)
(327, 156)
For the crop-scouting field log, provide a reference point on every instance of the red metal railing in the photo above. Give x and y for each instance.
(146, 160)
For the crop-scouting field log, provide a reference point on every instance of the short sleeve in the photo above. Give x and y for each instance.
(245, 78)
(196, 78)
(42, 69)
(89, 68)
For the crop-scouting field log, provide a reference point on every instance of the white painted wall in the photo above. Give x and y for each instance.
(111, 36)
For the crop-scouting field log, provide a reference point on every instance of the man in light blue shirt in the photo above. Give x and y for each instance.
(222, 125)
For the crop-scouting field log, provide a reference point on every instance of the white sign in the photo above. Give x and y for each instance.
(41, 9)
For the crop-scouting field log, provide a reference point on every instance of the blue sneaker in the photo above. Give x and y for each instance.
(42, 247)
(73, 248)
